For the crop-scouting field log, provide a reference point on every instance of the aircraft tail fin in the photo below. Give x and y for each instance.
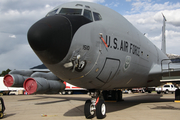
(163, 46)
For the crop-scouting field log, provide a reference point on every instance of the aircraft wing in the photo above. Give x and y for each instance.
(40, 70)
(169, 72)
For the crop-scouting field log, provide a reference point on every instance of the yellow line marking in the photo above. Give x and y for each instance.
(177, 101)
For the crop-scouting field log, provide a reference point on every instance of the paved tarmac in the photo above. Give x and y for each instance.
(141, 106)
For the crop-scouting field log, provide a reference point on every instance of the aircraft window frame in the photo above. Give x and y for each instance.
(87, 6)
(52, 12)
(97, 16)
(90, 16)
(69, 11)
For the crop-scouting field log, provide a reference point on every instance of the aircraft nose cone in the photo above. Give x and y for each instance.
(50, 38)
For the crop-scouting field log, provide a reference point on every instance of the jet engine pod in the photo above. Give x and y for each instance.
(43, 86)
(14, 80)
(22, 72)
(48, 76)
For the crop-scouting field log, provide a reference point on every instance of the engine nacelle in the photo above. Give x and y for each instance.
(16, 78)
(22, 72)
(43, 86)
(48, 76)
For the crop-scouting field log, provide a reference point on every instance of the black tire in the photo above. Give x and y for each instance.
(166, 92)
(89, 114)
(158, 92)
(69, 92)
(63, 92)
(101, 109)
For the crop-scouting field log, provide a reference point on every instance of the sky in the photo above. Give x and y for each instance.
(17, 16)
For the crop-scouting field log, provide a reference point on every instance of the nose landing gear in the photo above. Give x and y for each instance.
(101, 109)
(95, 106)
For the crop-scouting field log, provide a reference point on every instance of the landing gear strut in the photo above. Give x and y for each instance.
(95, 105)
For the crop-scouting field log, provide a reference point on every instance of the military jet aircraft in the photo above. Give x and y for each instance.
(93, 47)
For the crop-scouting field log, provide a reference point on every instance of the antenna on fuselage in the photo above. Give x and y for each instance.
(163, 47)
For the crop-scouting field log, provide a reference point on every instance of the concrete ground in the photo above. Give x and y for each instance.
(141, 106)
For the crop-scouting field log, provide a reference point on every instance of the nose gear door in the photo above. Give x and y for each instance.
(109, 70)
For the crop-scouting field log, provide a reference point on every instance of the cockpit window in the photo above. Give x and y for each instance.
(70, 11)
(97, 16)
(87, 14)
(52, 13)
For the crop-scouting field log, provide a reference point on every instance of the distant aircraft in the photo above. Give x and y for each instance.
(93, 47)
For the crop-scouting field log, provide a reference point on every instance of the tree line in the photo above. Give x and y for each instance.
(5, 72)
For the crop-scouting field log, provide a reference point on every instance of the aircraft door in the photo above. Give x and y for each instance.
(108, 70)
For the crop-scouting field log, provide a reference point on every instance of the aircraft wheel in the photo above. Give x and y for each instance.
(101, 109)
(89, 110)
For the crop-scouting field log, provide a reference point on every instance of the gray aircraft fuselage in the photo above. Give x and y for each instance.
(93, 47)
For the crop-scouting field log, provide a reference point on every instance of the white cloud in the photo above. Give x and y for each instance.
(146, 16)
(112, 4)
(172, 41)
(139, 6)
(12, 36)
(155, 38)
(20, 58)
(172, 16)
(128, 0)
(47, 6)
(174, 35)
